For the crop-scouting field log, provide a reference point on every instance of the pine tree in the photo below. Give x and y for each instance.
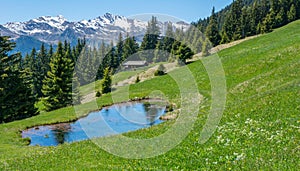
(106, 84)
(16, 97)
(183, 53)
(197, 42)
(206, 47)
(212, 31)
(111, 56)
(150, 40)
(232, 25)
(75, 90)
(29, 65)
(160, 70)
(174, 50)
(50, 54)
(245, 22)
(119, 49)
(292, 13)
(130, 47)
(41, 68)
(169, 38)
(280, 18)
(268, 22)
(57, 85)
(87, 65)
(224, 37)
(158, 53)
(164, 45)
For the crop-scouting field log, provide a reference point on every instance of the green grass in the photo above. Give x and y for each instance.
(119, 76)
(259, 129)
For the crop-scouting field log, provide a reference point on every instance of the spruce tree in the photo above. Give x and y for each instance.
(212, 31)
(130, 47)
(160, 70)
(280, 18)
(106, 84)
(232, 25)
(292, 13)
(87, 66)
(41, 69)
(169, 38)
(183, 53)
(164, 45)
(16, 97)
(206, 47)
(150, 40)
(57, 85)
(102, 52)
(119, 50)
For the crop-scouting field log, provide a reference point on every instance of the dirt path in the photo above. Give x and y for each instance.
(223, 46)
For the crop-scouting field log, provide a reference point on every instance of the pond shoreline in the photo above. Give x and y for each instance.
(96, 110)
(119, 117)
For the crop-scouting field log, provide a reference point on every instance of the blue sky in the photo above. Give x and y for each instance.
(76, 10)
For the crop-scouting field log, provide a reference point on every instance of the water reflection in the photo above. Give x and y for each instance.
(61, 132)
(111, 120)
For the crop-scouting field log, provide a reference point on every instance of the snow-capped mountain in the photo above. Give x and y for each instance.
(50, 30)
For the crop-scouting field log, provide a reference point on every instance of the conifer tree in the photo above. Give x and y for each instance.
(268, 22)
(87, 66)
(130, 47)
(280, 18)
(41, 69)
(183, 53)
(119, 49)
(111, 56)
(212, 31)
(169, 38)
(57, 85)
(106, 84)
(16, 97)
(160, 70)
(206, 47)
(292, 13)
(150, 40)
(164, 45)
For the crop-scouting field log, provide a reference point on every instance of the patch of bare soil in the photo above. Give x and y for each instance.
(223, 46)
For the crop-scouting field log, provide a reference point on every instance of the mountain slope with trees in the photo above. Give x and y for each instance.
(245, 18)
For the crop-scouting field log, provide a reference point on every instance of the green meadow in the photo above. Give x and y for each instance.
(259, 129)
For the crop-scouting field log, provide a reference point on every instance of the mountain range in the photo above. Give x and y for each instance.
(50, 30)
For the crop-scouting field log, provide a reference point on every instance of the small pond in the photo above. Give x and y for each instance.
(116, 119)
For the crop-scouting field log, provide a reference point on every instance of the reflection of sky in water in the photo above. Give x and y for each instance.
(111, 120)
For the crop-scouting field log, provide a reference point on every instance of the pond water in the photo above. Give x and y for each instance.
(116, 119)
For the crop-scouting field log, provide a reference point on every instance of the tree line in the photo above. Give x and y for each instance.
(245, 18)
(46, 76)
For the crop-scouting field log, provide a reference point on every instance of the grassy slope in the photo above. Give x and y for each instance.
(120, 76)
(259, 128)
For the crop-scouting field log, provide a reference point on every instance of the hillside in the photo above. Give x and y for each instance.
(259, 129)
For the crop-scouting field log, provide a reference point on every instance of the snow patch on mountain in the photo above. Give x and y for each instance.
(50, 29)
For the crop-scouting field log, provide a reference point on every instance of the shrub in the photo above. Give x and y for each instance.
(98, 94)
(160, 70)
(137, 80)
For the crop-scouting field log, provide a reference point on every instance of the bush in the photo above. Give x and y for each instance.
(160, 70)
(98, 94)
(137, 80)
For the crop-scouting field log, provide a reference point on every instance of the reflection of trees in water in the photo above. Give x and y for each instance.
(151, 112)
(60, 132)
